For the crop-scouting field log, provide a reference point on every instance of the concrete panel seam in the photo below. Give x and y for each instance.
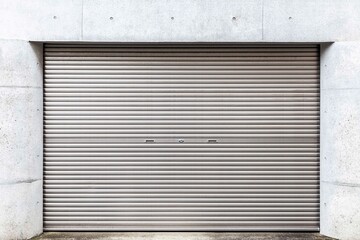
(342, 184)
(82, 20)
(15, 39)
(20, 87)
(262, 20)
(20, 182)
(334, 89)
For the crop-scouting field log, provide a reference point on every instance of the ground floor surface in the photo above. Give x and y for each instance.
(178, 236)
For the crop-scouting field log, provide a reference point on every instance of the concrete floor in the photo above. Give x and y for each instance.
(178, 236)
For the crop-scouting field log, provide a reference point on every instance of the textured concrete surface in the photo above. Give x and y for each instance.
(39, 19)
(309, 20)
(176, 21)
(21, 134)
(173, 20)
(340, 215)
(20, 63)
(340, 139)
(180, 236)
(21, 209)
(20, 139)
(340, 65)
(341, 149)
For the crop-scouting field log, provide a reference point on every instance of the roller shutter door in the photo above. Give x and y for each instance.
(181, 138)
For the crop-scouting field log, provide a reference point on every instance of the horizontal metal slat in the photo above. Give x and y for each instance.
(183, 154)
(207, 54)
(185, 94)
(179, 229)
(183, 113)
(177, 122)
(301, 191)
(182, 45)
(305, 193)
(179, 178)
(181, 103)
(178, 127)
(56, 63)
(179, 48)
(185, 100)
(111, 66)
(91, 164)
(206, 117)
(195, 72)
(182, 149)
(179, 218)
(185, 87)
(123, 179)
(203, 167)
(188, 59)
(130, 203)
(180, 76)
(264, 186)
(188, 145)
(245, 210)
(182, 214)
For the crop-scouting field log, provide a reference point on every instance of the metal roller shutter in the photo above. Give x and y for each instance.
(181, 137)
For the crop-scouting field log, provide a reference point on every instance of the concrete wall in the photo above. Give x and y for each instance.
(193, 20)
(340, 140)
(20, 139)
(273, 21)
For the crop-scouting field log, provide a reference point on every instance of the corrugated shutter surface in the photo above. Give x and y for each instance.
(181, 137)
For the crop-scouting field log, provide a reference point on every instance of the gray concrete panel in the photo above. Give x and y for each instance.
(340, 143)
(20, 64)
(21, 146)
(21, 143)
(340, 140)
(21, 209)
(340, 215)
(40, 20)
(311, 20)
(340, 65)
(172, 21)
